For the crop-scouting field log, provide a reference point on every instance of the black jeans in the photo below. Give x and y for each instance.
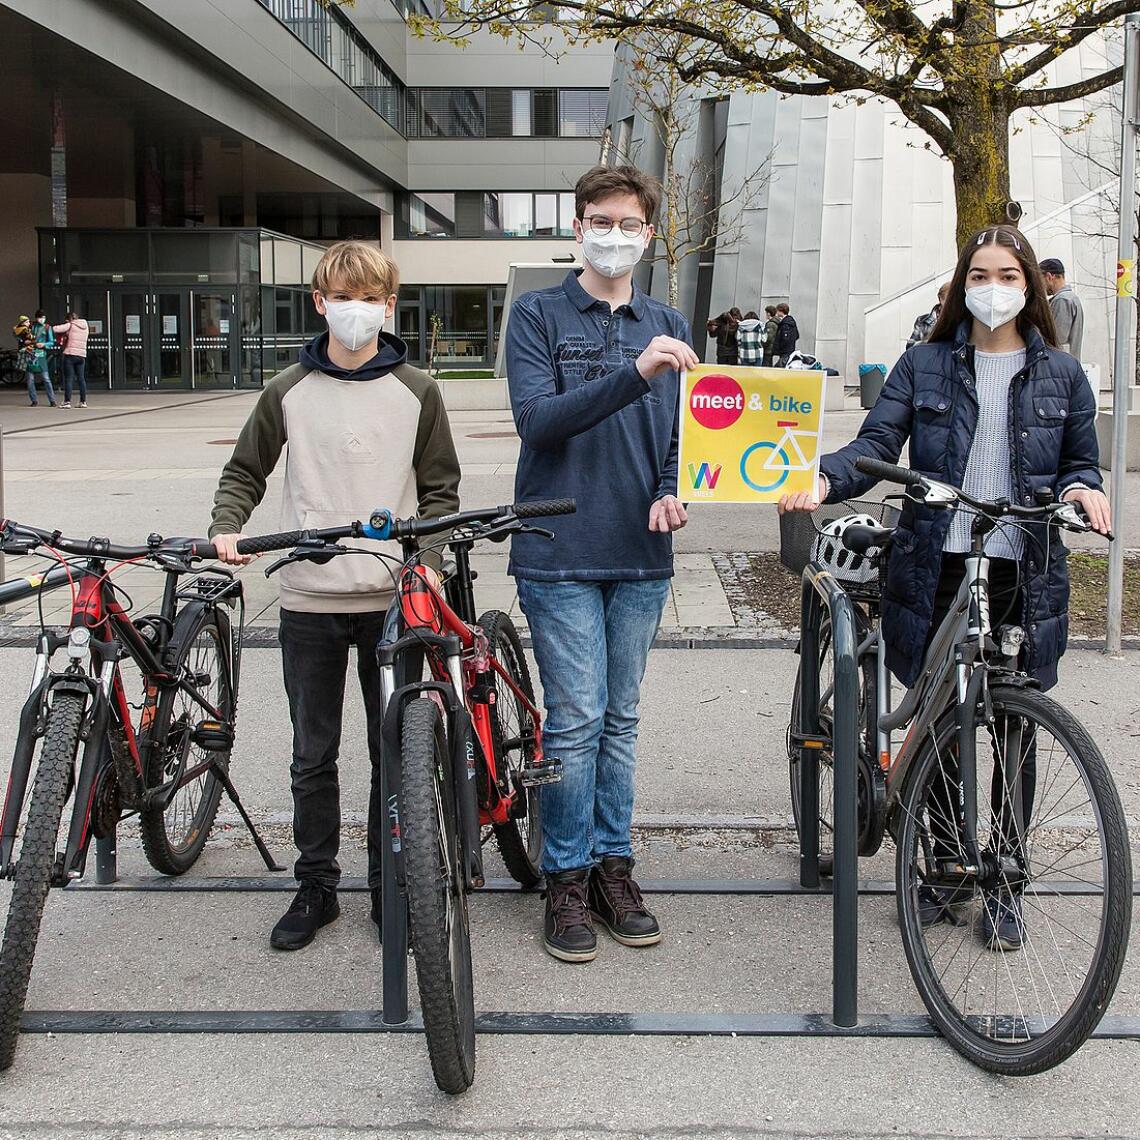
(1005, 609)
(314, 657)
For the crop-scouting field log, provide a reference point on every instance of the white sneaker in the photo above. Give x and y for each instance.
(84, 404)
(66, 404)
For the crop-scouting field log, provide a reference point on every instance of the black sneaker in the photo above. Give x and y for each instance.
(1002, 923)
(616, 902)
(939, 904)
(313, 906)
(568, 933)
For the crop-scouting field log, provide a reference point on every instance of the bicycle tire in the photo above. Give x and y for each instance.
(871, 822)
(437, 901)
(173, 837)
(1043, 1050)
(36, 863)
(520, 840)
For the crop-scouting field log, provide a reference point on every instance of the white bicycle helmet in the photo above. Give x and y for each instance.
(847, 567)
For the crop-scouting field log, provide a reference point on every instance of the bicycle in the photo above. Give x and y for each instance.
(778, 462)
(1013, 887)
(169, 764)
(462, 751)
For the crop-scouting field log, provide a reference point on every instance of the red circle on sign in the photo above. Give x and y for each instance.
(717, 401)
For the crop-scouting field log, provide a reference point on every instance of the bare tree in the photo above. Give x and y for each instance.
(699, 212)
(957, 69)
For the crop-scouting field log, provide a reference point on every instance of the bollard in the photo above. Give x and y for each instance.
(107, 860)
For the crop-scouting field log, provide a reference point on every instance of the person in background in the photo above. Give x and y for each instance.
(36, 338)
(359, 426)
(73, 337)
(925, 322)
(771, 325)
(787, 334)
(593, 367)
(750, 339)
(724, 328)
(1068, 315)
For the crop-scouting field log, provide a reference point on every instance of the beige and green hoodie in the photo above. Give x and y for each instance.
(353, 444)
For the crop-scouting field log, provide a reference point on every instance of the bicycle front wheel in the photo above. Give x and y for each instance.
(173, 836)
(437, 901)
(514, 734)
(35, 864)
(1018, 961)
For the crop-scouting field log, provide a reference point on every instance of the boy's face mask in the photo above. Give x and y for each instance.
(356, 324)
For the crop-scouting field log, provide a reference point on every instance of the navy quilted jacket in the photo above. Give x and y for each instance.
(929, 399)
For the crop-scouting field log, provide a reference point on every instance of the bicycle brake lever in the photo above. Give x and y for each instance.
(318, 553)
(541, 531)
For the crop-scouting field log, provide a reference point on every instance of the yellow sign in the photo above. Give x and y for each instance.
(1126, 277)
(749, 435)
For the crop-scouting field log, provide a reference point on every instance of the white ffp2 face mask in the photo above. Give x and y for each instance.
(995, 305)
(613, 254)
(355, 323)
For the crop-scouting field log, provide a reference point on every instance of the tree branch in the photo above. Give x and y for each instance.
(1081, 25)
(1044, 96)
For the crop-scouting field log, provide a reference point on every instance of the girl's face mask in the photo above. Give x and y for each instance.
(995, 305)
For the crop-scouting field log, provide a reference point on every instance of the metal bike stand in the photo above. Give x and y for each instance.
(107, 859)
(820, 589)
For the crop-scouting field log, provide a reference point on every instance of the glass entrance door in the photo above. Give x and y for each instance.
(215, 346)
(130, 318)
(171, 356)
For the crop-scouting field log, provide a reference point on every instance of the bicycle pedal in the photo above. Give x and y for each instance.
(213, 736)
(545, 772)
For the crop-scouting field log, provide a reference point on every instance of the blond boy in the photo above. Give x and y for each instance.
(363, 429)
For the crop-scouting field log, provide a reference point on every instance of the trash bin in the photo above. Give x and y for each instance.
(872, 377)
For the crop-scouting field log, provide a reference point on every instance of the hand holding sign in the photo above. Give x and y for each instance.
(665, 353)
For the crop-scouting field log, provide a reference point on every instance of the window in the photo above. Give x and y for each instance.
(508, 215)
(429, 215)
(504, 112)
(490, 214)
(582, 114)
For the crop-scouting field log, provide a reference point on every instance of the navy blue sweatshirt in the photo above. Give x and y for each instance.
(593, 430)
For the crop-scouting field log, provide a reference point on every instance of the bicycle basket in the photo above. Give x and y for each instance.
(800, 530)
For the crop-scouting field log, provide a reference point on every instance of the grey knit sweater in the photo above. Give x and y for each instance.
(988, 474)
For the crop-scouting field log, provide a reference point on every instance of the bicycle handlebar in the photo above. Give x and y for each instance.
(888, 471)
(382, 525)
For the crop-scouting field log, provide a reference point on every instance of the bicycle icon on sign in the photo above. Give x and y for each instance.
(776, 465)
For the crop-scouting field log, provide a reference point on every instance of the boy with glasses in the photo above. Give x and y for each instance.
(594, 368)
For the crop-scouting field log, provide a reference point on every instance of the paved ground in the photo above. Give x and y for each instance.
(712, 802)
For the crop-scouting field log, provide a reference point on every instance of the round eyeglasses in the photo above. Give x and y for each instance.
(600, 224)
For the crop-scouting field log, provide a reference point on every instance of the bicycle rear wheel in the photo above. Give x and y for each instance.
(514, 733)
(36, 863)
(1017, 963)
(173, 837)
(871, 786)
(437, 901)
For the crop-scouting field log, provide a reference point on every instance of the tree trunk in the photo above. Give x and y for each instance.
(674, 283)
(981, 164)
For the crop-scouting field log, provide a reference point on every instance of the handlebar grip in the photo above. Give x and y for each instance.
(263, 543)
(543, 508)
(859, 538)
(888, 471)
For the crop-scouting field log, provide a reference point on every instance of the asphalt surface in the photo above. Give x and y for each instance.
(712, 803)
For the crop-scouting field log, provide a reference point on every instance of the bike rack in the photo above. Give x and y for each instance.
(819, 589)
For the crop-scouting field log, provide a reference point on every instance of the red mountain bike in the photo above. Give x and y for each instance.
(462, 751)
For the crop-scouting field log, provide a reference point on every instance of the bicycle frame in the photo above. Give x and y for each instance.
(107, 715)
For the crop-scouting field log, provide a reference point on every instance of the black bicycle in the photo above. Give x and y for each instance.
(1013, 870)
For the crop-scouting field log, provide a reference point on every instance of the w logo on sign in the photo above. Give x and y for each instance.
(703, 474)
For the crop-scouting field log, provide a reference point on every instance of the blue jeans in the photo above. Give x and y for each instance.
(45, 376)
(591, 642)
(75, 372)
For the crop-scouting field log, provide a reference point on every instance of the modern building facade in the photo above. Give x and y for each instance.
(174, 168)
(855, 224)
